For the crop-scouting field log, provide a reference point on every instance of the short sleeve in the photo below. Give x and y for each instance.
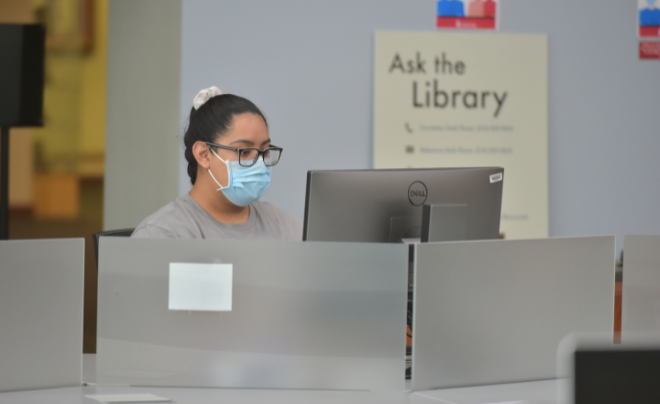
(150, 231)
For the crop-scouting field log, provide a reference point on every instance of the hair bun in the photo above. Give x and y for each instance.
(205, 95)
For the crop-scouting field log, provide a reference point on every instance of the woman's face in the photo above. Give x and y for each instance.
(246, 130)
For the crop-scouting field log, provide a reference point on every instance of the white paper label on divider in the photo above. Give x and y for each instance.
(200, 287)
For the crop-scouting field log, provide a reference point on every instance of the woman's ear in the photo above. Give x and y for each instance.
(202, 155)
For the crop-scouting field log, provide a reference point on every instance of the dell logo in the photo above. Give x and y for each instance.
(417, 193)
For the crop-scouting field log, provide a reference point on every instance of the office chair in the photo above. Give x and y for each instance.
(108, 233)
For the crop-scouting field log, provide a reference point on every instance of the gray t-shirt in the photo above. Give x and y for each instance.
(185, 218)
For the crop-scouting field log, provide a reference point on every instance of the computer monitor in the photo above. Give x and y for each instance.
(387, 205)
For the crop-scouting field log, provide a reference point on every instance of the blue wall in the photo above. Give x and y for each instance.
(309, 66)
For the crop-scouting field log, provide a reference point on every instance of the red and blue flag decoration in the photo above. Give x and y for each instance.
(467, 14)
(649, 18)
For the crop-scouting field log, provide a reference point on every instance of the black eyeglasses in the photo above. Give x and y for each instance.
(248, 156)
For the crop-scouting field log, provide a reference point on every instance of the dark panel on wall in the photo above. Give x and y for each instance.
(21, 74)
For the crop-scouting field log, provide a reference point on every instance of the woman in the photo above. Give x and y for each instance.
(229, 158)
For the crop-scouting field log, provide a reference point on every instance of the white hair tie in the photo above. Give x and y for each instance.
(205, 95)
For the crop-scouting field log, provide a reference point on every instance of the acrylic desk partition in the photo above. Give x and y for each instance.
(303, 316)
(490, 312)
(640, 312)
(41, 313)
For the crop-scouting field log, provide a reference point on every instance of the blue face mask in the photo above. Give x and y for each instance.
(246, 184)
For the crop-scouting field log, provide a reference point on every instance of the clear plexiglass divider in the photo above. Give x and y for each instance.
(495, 311)
(41, 313)
(641, 286)
(312, 315)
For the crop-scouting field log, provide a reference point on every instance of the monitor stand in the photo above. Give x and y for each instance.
(444, 222)
(404, 228)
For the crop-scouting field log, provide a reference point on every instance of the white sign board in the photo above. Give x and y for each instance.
(200, 287)
(468, 100)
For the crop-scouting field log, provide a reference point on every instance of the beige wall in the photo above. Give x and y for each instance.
(20, 168)
(93, 97)
(72, 140)
(20, 139)
(142, 141)
(16, 12)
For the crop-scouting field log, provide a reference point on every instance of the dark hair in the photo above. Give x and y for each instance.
(212, 120)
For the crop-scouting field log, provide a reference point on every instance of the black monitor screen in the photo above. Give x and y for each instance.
(617, 376)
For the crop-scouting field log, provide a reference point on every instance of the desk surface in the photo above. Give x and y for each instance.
(541, 392)
(75, 395)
